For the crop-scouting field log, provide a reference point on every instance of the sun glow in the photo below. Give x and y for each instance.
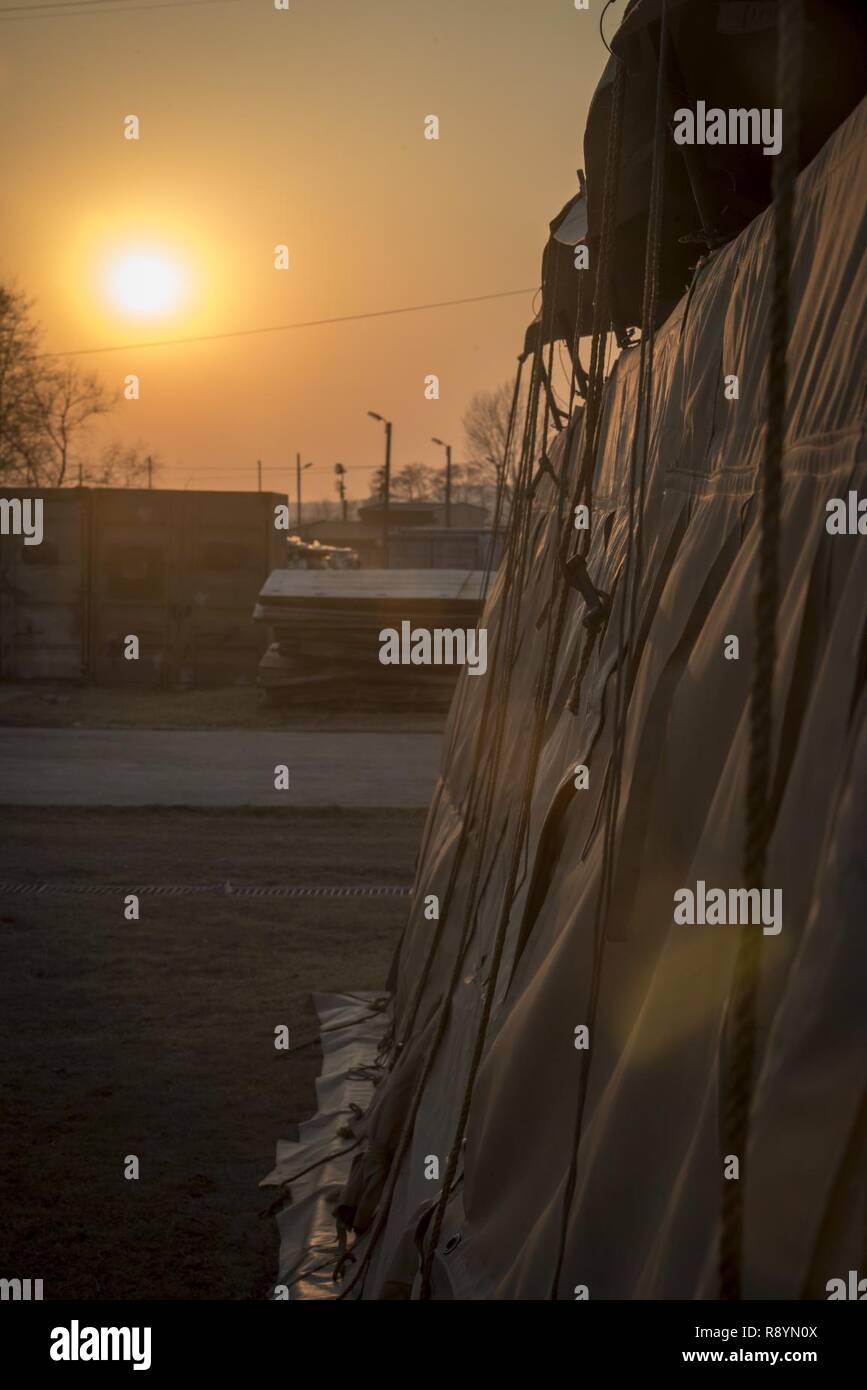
(144, 283)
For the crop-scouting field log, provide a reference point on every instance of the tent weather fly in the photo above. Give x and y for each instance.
(622, 1051)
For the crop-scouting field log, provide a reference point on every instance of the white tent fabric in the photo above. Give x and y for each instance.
(643, 1221)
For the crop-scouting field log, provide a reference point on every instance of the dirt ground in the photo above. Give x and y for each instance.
(62, 705)
(155, 1037)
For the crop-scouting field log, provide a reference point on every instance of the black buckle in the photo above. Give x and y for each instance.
(597, 602)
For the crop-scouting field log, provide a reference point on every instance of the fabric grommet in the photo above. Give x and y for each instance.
(452, 1243)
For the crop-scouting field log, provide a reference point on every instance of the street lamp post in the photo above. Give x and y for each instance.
(448, 449)
(298, 472)
(386, 490)
(341, 488)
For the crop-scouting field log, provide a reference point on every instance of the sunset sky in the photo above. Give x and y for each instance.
(304, 127)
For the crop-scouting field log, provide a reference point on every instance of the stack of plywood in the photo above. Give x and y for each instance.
(327, 628)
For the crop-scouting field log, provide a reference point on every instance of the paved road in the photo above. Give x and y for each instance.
(231, 767)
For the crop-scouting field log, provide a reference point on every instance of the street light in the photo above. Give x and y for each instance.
(298, 471)
(341, 487)
(448, 449)
(386, 486)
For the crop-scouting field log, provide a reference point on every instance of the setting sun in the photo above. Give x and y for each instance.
(144, 283)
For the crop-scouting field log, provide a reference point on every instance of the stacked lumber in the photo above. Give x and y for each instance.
(326, 628)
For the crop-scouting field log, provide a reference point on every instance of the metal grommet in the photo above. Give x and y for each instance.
(452, 1243)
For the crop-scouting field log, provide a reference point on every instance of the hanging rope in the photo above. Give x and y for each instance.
(456, 715)
(548, 667)
(442, 1022)
(597, 608)
(623, 677)
(591, 630)
(543, 695)
(759, 822)
(601, 296)
(522, 511)
(542, 700)
(541, 703)
(510, 607)
(468, 807)
(578, 373)
(649, 308)
(627, 620)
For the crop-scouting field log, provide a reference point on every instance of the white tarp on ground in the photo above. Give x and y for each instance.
(311, 1170)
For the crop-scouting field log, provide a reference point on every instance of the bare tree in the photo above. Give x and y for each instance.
(45, 410)
(486, 428)
(120, 465)
(65, 401)
(20, 444)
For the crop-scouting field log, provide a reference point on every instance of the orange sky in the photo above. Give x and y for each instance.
(304, 127)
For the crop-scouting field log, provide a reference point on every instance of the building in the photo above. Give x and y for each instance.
(418, 536)
(422, 513)
(441, 548)
(179, 570)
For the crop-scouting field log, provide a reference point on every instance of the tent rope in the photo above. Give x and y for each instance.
(628, 608)
(456, 714)
(759, 810)
(510, 604)
(601, 295)
(623, 676)
(544, 686)
(542, 701)
(522, 512)
(584, 650)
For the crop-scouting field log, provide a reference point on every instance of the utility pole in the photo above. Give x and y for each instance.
(448, 449)
(298, 472)
(150, 463)
(258, 475)
(386, 485)
(341, 489)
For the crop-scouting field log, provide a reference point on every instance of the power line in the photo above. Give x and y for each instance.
(37, 6)
(82, 9)
(236, 470)
(55, 9)
(266, 467)
(284, 327)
